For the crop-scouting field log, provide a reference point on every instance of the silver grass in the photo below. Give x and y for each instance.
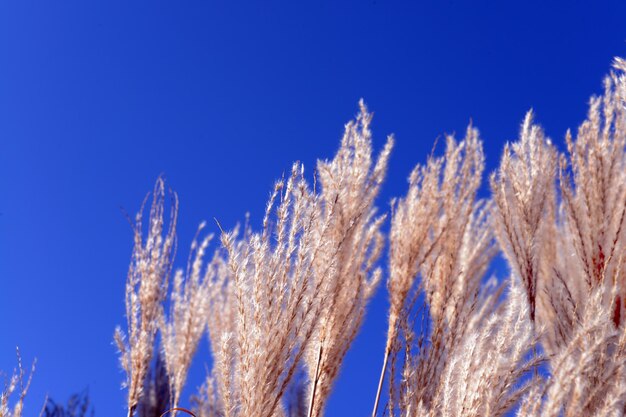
(588, 374)
(273, 304)
(294, 294)
(471, 351)
(290, 298)
(344, 265)
(524, 193)
(183, 328)
(581, 297)
(146, 287)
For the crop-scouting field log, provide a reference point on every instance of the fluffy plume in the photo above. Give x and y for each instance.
(588, 374)
(524, 192)
(351, 242)
(274, 301)
(294, 294)
(469, 354)
(484, 366)
(440, 198)
(146, 287)
(582, 289)
(564, 255)
(594, 198)
(182, 330)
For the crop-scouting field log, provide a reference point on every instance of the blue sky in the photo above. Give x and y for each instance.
(99, 98)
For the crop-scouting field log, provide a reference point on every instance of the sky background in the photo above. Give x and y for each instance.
(99, 98)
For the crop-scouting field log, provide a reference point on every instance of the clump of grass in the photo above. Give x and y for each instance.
(292, 296)
(283, 304)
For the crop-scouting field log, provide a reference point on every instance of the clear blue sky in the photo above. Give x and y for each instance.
(98, 98)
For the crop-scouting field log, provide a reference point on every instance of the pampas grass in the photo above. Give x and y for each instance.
(281, 305)
(292, 296)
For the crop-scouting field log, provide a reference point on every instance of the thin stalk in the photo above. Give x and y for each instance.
(381, 380)
(45, 403)
(317, 369)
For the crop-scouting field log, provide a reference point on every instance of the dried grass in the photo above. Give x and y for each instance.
(282, 305)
